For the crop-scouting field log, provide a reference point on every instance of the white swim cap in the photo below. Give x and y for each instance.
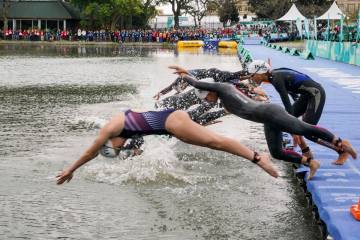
(259, 66)
(202, 93)
(108, 150)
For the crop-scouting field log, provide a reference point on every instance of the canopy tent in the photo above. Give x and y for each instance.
(334, 13)
(292, 15)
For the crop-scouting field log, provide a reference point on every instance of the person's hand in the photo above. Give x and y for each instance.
(137, 151)
(65, 175)
(269, 61)
(261, 99)
(259, 91)
(296, 140)
(157, 96)
(178, 70)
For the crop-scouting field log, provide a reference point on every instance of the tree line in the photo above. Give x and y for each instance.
(274, 9)
(128, 14)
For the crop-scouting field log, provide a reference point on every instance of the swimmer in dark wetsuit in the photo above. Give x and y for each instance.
(185, 100)
(308, 95)
(177, 123)
(275, 119)
(219, 76)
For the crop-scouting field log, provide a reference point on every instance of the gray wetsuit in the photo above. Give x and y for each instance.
(275, 118)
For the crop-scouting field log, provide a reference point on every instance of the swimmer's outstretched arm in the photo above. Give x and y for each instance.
(166, 89)
(213, 87)
(175, 82)
(110, 129)
(89, 154)
(199, 73)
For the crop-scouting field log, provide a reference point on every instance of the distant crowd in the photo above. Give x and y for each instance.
(165, 35)
(271, 32)
(334, 34)
(285, 33)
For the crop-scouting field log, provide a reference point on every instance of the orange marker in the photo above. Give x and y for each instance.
(355, 210)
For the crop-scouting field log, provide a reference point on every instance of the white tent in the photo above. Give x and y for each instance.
(292, 15)
(334, 13)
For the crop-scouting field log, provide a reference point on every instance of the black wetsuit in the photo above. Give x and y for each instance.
(183, 101)
(219, 76)
(275, 119)
(309, 96)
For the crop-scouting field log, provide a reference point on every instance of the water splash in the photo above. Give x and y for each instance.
(157, 165)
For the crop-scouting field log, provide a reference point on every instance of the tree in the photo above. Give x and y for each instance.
(275, 9)
(313, 8)
(5, 12)
(272, 9)
(177, 6)
(116, 13)
(199, 8)
(148, 12)
(228, 11)
(6, 5)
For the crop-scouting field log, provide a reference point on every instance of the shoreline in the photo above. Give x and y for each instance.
(83, 43)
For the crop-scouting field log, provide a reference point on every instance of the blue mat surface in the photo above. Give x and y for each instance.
(334, 188)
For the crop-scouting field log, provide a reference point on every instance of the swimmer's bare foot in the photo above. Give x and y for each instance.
(346, 151)
(265, 163)
(342, 158)
(347, 147)
(314, 165)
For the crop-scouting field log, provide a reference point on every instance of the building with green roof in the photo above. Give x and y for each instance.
(39, 14)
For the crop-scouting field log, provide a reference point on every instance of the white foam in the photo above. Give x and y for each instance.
(157, 163)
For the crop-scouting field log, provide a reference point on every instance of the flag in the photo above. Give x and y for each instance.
(315, 28)
(358, 27)
(299, 26)
(328, 29)
(341, 37)
(306, 25)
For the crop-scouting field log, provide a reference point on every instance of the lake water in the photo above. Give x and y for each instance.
(53, 99)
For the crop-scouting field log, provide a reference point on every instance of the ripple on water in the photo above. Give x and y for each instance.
(51, 108)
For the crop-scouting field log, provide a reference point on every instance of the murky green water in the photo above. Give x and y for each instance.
(53, 100)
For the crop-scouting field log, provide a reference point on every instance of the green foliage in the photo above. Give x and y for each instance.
(228, 11)
(275, 9)
(177, 7)
(115, 14)
(199, 8)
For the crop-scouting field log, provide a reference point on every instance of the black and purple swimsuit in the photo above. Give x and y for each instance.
(145, 123)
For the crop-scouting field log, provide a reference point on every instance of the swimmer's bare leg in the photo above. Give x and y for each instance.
(305, 149)
(182, 127)
(313, 165)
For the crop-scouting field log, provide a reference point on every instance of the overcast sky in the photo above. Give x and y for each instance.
(166, 8)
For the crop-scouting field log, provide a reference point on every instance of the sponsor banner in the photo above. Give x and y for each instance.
(346, 52)
(357, 54)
